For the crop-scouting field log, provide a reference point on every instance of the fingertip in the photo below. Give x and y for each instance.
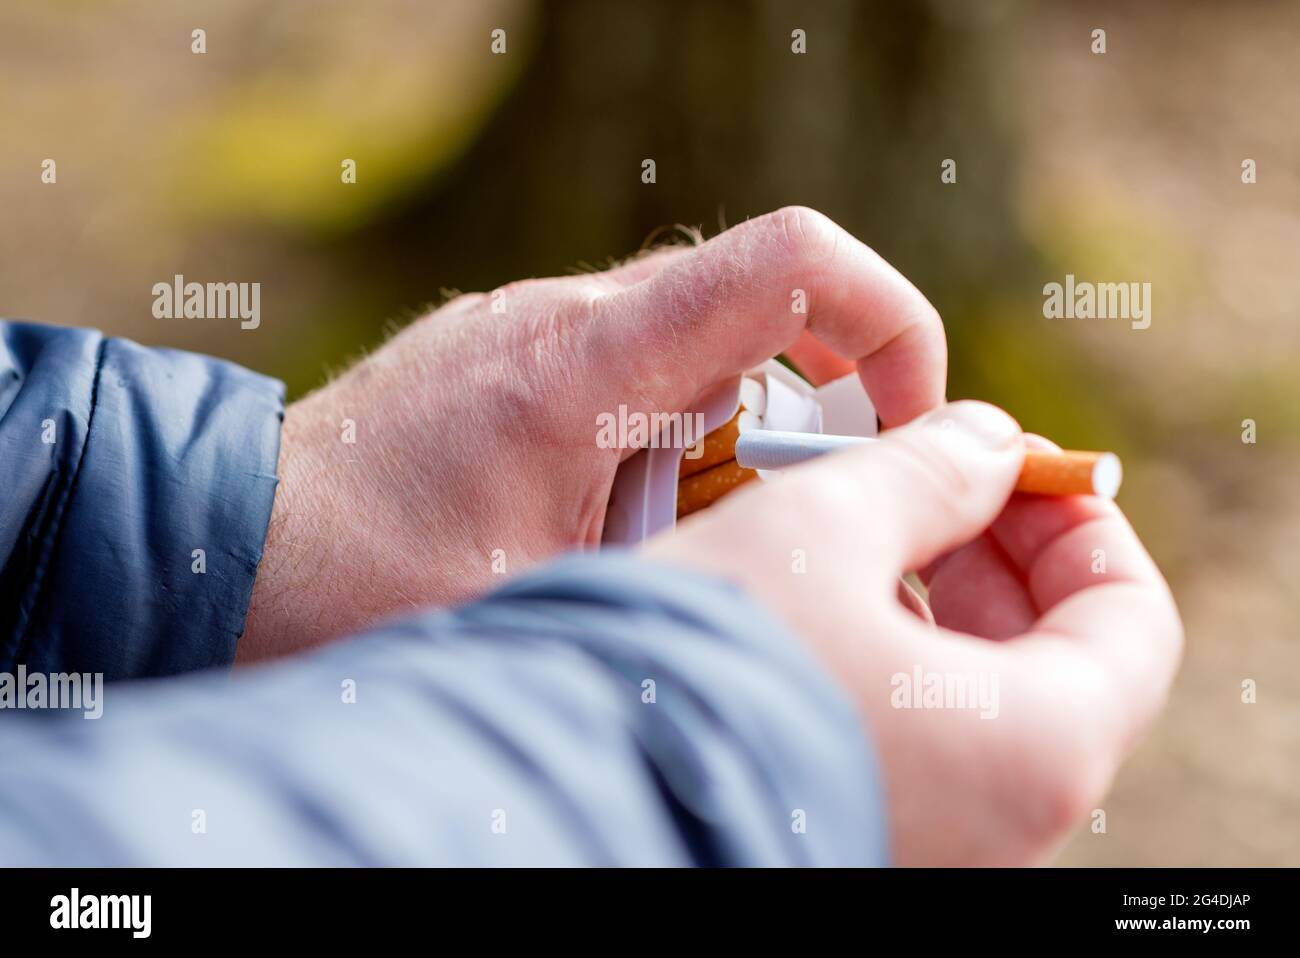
(941, 481)
(984, 422)
(908, 378)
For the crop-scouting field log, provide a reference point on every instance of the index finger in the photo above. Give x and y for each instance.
(747, 294)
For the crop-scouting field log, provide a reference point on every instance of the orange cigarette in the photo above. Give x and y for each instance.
(1070, 473)
(1065, 473)
(719, 446)
(705, 488)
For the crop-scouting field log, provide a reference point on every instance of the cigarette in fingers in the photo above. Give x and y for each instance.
(1048, 473)
(1070, 473)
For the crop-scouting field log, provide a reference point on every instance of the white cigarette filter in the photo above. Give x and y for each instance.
(773, 449)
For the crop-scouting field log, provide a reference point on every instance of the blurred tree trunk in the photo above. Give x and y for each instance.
(737, 124)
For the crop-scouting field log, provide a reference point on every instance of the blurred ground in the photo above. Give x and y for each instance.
(476, 169)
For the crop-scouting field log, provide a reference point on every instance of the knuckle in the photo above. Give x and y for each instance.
(550, 292)
(803, 234)
(523, 288)
(550, 310)
(455, 304)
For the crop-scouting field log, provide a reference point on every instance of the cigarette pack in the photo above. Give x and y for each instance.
(643, 501)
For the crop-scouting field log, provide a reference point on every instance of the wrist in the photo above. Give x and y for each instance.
(285, 613)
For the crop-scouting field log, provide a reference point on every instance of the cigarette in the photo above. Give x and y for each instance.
(1070, 472)
(1046, 473)
(705, 488)
(719, 446)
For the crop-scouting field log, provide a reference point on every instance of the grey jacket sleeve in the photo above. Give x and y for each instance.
(601, 711)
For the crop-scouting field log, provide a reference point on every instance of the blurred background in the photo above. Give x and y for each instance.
(474, 169)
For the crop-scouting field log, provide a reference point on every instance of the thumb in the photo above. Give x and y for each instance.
(934, 484)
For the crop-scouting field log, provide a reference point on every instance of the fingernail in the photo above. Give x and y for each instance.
(987, 424)
(1035, 441)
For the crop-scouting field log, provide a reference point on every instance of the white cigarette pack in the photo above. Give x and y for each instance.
(644, 498)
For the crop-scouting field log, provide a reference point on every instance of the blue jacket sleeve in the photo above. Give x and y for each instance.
(138, 488)
(601, 711)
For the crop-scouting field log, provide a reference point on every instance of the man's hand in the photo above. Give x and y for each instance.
(1054, 599)
(475, 429)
